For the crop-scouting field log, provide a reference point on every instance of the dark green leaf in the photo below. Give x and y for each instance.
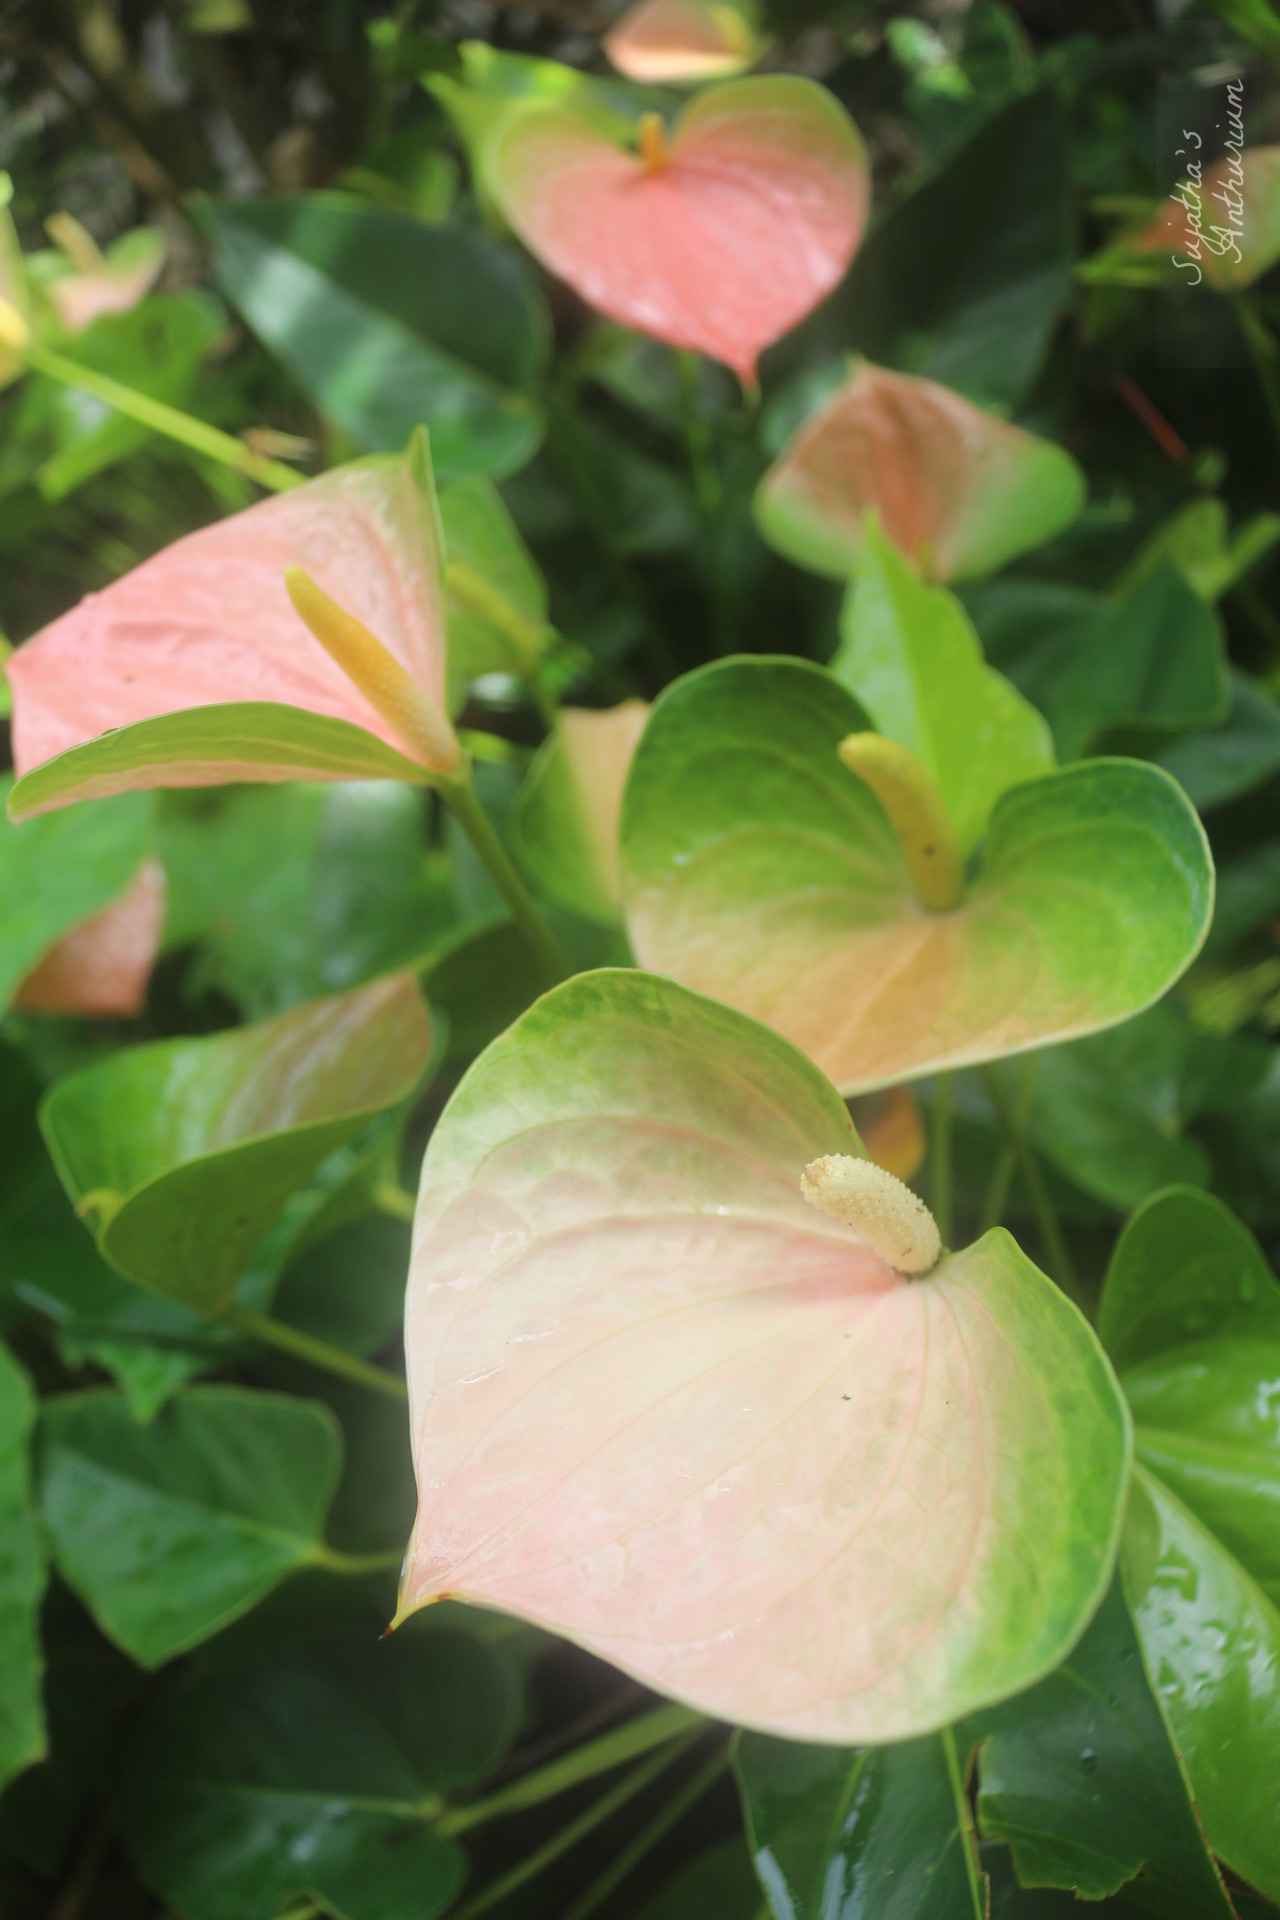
(171, 1531)
(386, 321)
(1079, 1778)
(22, 1733)
(1221, 762)
(866, 1833)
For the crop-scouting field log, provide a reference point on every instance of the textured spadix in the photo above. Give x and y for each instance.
(758, 869)
(720, 241)
(207, 630)
(665, 42)
(957, 490)
(667, 1408)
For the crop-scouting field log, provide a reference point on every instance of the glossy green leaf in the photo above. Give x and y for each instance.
(861, 1833)
(169, 1532)
(1210, 1641)
(909, 655)
(184, 1152)
(495, 592)
(1078, 1777)
(911, 1486)
(1191, 1314)
(570, 808)
(1152, 660)
(245, 740)
(386, 321)
(22, 1576)
(57, 873)
(304, 1756)
(759, 870)
(969, 304)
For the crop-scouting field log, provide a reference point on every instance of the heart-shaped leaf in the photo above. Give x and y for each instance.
(887, 1500)
(910, 656)
(958, 491)
(759, 870)
(183, 1153)
(209, 620)
(667, 42)
(103, 965)
(169, 1532)
(57, 874)
(721, 241)
(868, 1833)
(385, 320)
(1079, 1778)
(22, 1734)
(1191, 1314)
(303, 1755)
(571, 806)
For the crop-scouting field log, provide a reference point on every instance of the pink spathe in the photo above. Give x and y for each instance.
(102, 967)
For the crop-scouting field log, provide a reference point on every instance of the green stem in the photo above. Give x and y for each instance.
(638, 1736)
(1262, 351)
(669, 1816)
(390, 1197)
(171, 421)
(604, 1808)
(317, 1353)
(471, 817)
(697, 436)
(355, 1565)
(940, 1119)
(960, 1800)
(1056, 1252)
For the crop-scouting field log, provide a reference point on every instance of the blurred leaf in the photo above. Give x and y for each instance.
(186, 1151)
(169, 1532)
(295, 891)
(966, 278)
(1079, 1779)
(58, 871)
(497, 597)
(1152, 659)
(1199, 542)
(1218, 763)
(719, 1882)
(347, 1286)
(870, 1833)
(22, 1578)
(570, 808)
(303, 1756)
(386, 321)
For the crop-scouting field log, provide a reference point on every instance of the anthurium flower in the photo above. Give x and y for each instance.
(957, 490)
(102, 966)
(660, 42)
(720, 238)
(83, 283)
(1224, 230)
(203, 666)
(693, 1384)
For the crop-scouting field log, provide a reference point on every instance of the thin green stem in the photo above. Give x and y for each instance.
(669, 1816)
(1263, 351)
(611, 1750)
(697, 435)
(940, 1119)
(470, 815)
(961, 1800)
(161, 418)
(355, 1565)
(1056, 1252)
(545, 1856)
(316, 1352)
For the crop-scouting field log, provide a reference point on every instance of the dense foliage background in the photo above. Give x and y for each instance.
(1010, 143)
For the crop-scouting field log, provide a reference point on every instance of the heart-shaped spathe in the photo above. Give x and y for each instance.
(663, 1405)
(720, 242)
(666, 42)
